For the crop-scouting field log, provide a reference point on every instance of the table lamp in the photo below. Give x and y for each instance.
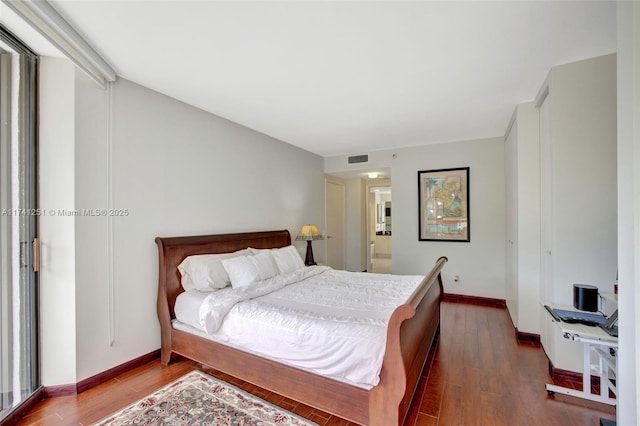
(309, 233)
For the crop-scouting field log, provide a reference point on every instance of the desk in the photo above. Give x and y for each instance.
(597, 341)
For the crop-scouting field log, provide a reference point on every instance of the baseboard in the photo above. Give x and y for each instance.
(474, 300)
(23, 408)
(60, 390)
(88, 383)
(570, 376)
(527, 337)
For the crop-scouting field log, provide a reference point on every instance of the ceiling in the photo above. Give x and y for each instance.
(347, 77)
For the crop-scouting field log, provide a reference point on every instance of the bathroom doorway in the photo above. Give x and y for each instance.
(380, 231)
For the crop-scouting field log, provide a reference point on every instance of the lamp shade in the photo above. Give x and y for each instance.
(309, 233)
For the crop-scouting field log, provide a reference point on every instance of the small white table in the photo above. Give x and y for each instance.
(597, 341)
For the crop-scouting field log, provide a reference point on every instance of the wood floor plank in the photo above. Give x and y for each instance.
(425, 420)
(487, 350)
(432, 396)
(478, 374)
(472, 397)
(471, 340)
(451, 412)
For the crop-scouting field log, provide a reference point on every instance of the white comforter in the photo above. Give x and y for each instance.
(330, 322)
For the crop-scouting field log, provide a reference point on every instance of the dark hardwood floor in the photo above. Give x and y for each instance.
(479, 374)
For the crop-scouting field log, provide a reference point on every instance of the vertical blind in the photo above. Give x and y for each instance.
(18, 222)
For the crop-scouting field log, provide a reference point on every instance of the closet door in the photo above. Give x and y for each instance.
(546, 192)
(546, 243)
(511, 180)
(336, 218)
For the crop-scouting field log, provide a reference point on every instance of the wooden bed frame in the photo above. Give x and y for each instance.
(413, 329)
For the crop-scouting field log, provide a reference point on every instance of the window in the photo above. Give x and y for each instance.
(18, 222)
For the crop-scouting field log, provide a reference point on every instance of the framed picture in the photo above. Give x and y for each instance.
(443, 205)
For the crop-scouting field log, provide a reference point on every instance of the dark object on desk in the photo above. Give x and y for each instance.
(606, 422)
(576, 320)
(611, 326)
(585, 297)
(576, 317)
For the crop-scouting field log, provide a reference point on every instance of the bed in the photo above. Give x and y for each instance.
(412, 331)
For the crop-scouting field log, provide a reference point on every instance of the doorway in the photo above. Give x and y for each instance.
(357, 236)
(379, 229)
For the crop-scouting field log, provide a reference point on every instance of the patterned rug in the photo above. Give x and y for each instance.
(199, 399)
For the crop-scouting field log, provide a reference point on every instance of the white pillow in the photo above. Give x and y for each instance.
(205, 271)
(245, 270)
(287, 259)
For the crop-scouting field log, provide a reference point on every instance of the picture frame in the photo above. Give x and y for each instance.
(443, 205)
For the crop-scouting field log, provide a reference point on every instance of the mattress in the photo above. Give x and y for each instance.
(329, 322)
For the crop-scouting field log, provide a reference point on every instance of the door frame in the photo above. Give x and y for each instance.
(369, 225)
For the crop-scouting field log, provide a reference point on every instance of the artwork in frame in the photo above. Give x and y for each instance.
(443, 204)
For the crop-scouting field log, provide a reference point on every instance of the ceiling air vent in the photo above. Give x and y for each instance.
(359, 159)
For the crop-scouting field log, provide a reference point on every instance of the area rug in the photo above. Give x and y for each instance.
(199, 399)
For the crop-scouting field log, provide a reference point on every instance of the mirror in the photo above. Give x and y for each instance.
(382, 197)
(379, 213)
(387, 217)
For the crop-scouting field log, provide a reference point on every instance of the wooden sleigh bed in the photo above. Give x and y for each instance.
(412, 331)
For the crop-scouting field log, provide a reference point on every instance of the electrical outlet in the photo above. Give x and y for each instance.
(456, 278)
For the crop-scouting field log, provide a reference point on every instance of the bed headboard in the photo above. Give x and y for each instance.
(173, 250)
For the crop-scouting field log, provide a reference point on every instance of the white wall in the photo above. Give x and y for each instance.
(57, 232)
(583, 196)
(480, 263)
(178, 171)
(578, 194)
(94, 267)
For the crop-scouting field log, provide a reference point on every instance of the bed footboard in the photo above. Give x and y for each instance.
(412, 329)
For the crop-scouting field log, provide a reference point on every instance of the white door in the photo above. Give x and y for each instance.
(512, 225)
(335, 224)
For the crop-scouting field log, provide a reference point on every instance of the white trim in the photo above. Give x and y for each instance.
(543, 92)
(110, 249)
(48, 22)
(512, 121)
